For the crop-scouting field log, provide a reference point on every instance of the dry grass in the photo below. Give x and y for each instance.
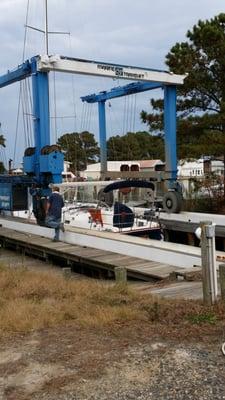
(33, 300)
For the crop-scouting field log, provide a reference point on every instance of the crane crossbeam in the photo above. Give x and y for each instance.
(21, 72)
(87, 67)
(131, 88)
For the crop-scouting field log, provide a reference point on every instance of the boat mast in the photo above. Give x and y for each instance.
(46, 26)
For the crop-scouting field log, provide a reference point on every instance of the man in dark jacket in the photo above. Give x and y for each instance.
(54, 212)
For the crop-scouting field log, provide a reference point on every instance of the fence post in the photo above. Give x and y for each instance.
(67, 273)
(208, 256)
(120, 274)
(222, 280)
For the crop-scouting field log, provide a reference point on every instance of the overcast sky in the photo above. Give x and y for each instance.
(120, 31)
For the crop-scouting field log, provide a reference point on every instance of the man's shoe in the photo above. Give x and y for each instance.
(62, 227)
(55, 240)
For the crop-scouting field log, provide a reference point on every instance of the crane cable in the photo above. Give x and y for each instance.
(90, 109)
(128, 114)
(124, 115)
(134, 111)
(126, 120)
(23, 115)
(82, 115)
(31, 111)
(86, 124)
(114, 152)
(26, 106)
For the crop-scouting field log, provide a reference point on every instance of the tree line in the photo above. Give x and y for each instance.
(82, 149)
(201, 100)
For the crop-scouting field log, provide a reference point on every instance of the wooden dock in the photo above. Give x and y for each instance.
(83, 257)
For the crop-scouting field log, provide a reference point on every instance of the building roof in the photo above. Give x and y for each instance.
(149, 163)
(115, 165)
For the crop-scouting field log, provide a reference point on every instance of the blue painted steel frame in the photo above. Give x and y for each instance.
(41, 107)
(131, 88)
(169, 120)
(23, 71)
(35, 164)
(170, 131)
(42, 120)
(41, 113)
(102, 136)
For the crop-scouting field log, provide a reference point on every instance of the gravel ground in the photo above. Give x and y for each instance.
(62, 365)
(178, 373)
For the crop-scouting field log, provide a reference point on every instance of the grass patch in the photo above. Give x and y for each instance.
(203, 318)
(31, 300)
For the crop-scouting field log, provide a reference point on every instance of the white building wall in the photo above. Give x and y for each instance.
(217, 167)
(191, 169)
(111, 166)
(93, 170)
(196, 168)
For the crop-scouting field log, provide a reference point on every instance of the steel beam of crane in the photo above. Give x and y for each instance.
(95, 68)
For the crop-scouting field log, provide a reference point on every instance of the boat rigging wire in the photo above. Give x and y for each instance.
(134, 111)
(73, 90)
(20, 85)
(25, 31)
(124, 115)
(127, 115)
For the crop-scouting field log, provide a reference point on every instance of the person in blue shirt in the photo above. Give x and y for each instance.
(54, 207)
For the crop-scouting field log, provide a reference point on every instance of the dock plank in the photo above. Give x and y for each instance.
(180, 290)
(103, 259)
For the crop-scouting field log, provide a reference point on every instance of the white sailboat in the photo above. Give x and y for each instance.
(91, 205)
(112, 207)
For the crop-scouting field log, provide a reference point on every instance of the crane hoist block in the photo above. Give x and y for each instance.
(52, 163)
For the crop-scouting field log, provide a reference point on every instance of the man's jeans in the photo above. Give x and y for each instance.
(54, 223)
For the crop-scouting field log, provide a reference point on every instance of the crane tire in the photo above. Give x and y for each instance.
(172, 202)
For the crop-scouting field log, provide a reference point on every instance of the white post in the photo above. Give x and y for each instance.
(208, 256)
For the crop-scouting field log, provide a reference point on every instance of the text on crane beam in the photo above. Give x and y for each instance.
(120, 72)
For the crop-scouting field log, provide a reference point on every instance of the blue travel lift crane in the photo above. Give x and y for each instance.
(43, 164)
(172, 199)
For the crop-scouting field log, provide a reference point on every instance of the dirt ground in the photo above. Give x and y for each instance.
(140, 362)
(72, 363)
